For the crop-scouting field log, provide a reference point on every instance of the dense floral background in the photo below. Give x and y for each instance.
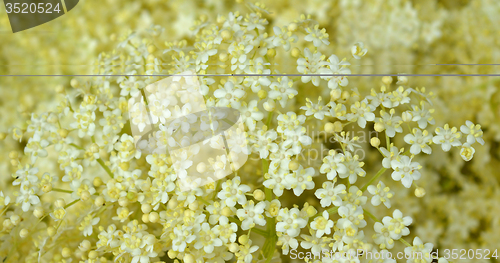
(75, 188)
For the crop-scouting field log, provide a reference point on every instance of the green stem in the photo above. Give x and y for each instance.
(61, 190)
(269, 119)
(371, 215)
(377, 175)
(106, 168)
(72, 203)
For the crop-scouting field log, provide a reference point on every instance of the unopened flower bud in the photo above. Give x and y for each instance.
(188, 258)
(259, 195)
(99, 201)
(97, 182)
(262, 94)
(59, 203)
(85, 245)
(51, 231)
(330, 127)
(292, 27)
(295, 52)
(66, 252)
(226, 211)
(243, 239)
(379, 127)
(375, 142)
(387, 80)
(419, 192)
(145, 218)
(271, 52)
(38, 212)
(270, 105)
(85, 195)
(154, 217)
(93, 254)
(146, 208)
(335, 94)
(293, 165)
(23, 233)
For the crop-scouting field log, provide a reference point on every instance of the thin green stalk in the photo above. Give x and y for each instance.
(61, 190)
(371, 216)
(377, 175)
(106, 168)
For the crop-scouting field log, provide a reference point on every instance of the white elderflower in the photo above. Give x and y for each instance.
(361, 112)
(233, 192)
(286, 242)
(126, 148)
(290, 222)
(391, 123)
(317, 36)
(333, 164)
(352, 219)
(377, 98)
(289, 122)
(262, 141)
(301, 180)
(84, 123)
(4, 200)
(310, 64)
(333, 66)
(420, 252)
(397, 224)
(322, 224)
(467, 152)
(330, 194)
(207, 238)
(251, 214)
(390, 156)
(122, 214)
(282, 90)
(358, 50)
(36, 147)
(257, 67)
(422, 116)
(318, 110)
(283, 38)
(182, 235)
(229, 95)
(315, 244)
(112, 122)
(87, 224)
(354, 197)
(405, 170)
(474, 132)
(354, 168)
(250, 114)
(382, 236)
(419, 141)
(447, 137)
(27, 197)
(276, 181)
(381, 194)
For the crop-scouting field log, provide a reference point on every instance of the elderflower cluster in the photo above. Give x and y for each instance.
(335, 163)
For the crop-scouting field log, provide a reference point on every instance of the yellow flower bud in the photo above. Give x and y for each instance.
(259, 195)
(226, 211)
(23, 233)
(419, 192)
(262, 94)
(51, 231)
(387, 80)
(97, 182)
(330, 127)
(243, 239)
(38, 212)
(295, 52)
(154, 217)
(379, 127)
(271, 53)
(375, 142)
(66, 252)
(146, 208)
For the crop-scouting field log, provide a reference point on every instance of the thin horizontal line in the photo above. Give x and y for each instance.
(467, 64)
(268, 75)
